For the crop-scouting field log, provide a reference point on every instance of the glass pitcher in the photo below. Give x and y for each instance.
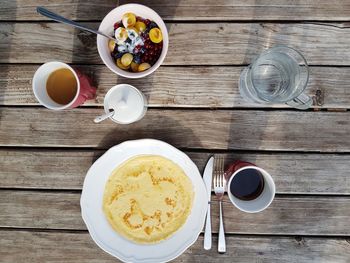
(279, 75)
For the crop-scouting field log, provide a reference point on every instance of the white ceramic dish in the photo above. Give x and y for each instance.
(101, 231)
(106, 27)
(129, 104)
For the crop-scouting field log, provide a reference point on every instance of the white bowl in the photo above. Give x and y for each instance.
(106, 27)
(109, 240)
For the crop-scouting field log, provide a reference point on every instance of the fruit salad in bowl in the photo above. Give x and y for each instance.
(141, 41)
(138, 44)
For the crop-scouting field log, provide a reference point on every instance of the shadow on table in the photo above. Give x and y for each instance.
(6, 44)
(85, 51)
(262, 36)
(156, 124)
(84, 42)
(167, 11)
(254, 46)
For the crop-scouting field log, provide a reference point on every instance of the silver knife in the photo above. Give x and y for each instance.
(207, 177)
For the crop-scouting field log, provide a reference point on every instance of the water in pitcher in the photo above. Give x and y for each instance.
(276, 76)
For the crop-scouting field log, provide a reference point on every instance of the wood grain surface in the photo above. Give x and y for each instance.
(195, 106)
(321, 10)
(285, 216)
(220, 43)
(78, 247)
(221, 129)
(206, 87)
(293, 173)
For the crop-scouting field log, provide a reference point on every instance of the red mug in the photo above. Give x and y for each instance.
(85, 89)
(259, 203)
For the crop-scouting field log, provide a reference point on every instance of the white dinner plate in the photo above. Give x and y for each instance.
(101, 231)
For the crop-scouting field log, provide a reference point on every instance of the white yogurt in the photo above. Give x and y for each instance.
(135, 41)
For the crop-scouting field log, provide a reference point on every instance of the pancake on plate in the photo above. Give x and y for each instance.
(147, 198)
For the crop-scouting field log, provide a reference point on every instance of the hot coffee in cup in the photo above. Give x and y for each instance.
(247, 185)
(250, 188)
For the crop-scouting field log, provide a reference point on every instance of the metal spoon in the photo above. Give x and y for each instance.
(43, 11)
(104, 116)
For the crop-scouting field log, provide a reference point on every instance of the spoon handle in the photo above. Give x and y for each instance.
(43, 11)
(103, 117)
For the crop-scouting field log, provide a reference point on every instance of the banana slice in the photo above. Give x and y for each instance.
(143, 67)
(134, 67)
(140, 26)
(129, 20)
(111, 45)
(127, 59)
(155, 35)
(121, 34)
(120, 65)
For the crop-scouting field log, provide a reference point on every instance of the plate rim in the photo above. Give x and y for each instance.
(174, 254)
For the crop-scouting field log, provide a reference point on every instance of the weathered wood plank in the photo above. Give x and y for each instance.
(79, 247)
(23, 10)
(285, 216)
(321, 10)
(207, 87)
(293, 173)
(220, 43)
(250, 10)
(221, 129)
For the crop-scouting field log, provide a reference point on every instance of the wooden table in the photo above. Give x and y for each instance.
(44, 155)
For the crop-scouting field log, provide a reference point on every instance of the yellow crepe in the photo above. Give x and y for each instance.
(147, 198)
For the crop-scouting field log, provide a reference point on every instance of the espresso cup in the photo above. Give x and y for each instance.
(85, 89)
(260, 202)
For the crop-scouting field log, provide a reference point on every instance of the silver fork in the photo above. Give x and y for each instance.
(219, 189)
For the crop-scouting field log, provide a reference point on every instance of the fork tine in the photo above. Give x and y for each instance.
(222, 175)
(217, 175)
(215, 170)
(214, 178)
(221, 171)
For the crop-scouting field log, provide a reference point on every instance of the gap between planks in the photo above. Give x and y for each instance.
(319, 10)
(286, 216)
(85, 231)
(183, 87)
(242, 41)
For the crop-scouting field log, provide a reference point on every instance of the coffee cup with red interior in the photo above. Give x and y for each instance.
(58, 86)
(250, 188)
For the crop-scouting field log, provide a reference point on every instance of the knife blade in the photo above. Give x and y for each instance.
(207, 178)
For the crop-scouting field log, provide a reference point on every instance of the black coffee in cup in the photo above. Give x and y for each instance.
(247, 184)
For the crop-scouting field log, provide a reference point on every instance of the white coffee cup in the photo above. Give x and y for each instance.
(263, 200)
(85, 89)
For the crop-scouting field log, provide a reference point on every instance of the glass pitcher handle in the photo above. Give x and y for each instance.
(302, 102)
